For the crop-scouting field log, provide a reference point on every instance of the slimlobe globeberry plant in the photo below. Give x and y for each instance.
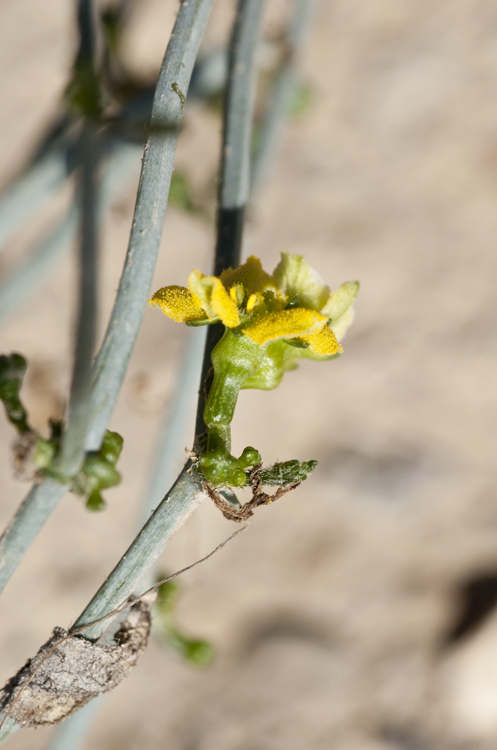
(261, 325)
(270, 322)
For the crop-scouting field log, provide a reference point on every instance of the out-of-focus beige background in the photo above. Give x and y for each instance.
(332, 616)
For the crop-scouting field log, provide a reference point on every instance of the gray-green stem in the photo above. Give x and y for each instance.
(148, 220)
(235, 161)
(72, 452)
(181, 500)
(281, 92)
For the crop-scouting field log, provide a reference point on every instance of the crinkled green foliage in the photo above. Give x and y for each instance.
(12, 371)
(196, 651)
(287, 472)
(97, 473)
(99, 469)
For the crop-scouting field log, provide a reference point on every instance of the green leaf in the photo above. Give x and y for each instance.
(287, 472)
(99, 471)
(12, 371)
(197, 652)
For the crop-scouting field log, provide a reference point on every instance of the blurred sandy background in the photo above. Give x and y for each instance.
(338, 618)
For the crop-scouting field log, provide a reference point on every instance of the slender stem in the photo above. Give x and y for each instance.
(89, 32)
(237, 129)
(71, 734)
(181, 500)
(134, 287)
(73, 442)
(29, 518)
(17, 287)
(281, 92)
(235, 161)
(173, 438)
(27, 193)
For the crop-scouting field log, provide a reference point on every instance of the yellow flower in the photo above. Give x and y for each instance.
(292, 304)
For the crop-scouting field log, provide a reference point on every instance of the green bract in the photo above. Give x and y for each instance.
(271, 322)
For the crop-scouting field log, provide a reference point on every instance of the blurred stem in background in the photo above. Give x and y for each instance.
(282, 90)
(122, 160)
(72, 451)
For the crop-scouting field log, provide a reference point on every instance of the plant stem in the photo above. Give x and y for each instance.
(281, 92)
(28, 520)
(235, 161)
(73, 441)
(72, 734)
(181, 500)
(89, 33)
(16, 287)
(31, 188)
(173, 429)
(134, 287)
(237, 129)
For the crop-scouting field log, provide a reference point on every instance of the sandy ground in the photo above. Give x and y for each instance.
(337, 618)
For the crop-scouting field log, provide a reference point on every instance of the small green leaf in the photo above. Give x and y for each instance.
(12, 371)
(200, 653)
(112, 446)
(197, 652)
(287, 472)
(44, 453)
(99, 471)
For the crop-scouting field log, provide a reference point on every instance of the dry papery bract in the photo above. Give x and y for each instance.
(68, 671)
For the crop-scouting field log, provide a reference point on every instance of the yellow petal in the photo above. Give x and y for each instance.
(223, 306)
(209, 294)
(323, 342)
(178, 304)
(285, 325)
(252, 276)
